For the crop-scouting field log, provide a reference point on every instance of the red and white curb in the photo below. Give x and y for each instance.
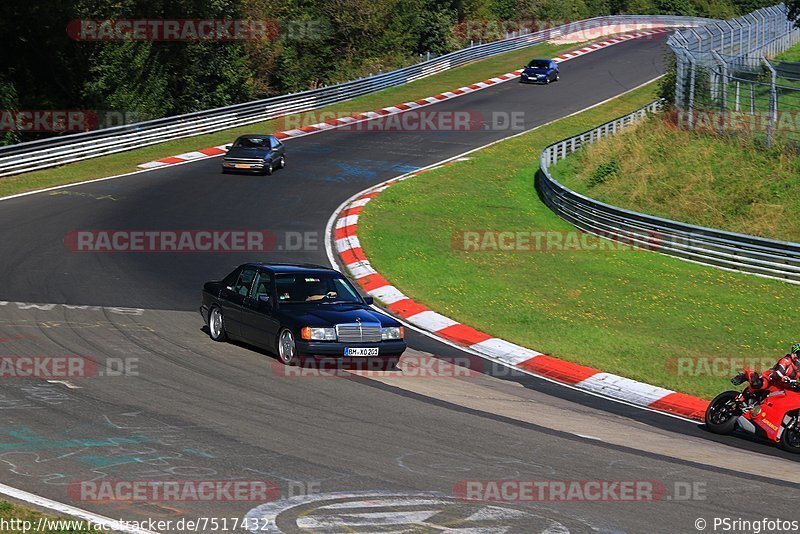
(348, 248)
(400, 108)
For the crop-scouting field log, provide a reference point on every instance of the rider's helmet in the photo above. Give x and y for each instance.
(795, 350)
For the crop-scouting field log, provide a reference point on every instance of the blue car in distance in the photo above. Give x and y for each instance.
(540, 71)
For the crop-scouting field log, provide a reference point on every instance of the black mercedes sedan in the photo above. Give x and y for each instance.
(300, 312)
(255, 153)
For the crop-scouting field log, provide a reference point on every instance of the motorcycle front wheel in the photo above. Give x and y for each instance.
(721, 413)
(790, 439)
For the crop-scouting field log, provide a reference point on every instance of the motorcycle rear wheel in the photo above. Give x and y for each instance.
(719, 418)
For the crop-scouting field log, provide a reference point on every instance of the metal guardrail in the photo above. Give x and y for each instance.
(717, 248)
(40, 154)
(788, 70)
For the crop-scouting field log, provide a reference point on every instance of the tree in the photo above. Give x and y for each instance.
(675, 7)
(794, 11)
(8, 102)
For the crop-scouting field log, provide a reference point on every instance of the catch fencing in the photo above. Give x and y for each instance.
(726, 81)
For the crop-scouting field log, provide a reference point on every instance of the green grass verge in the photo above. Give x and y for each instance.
(12, 512)
(127, 161)
(732, 183)
(792, 54)
(625, 312)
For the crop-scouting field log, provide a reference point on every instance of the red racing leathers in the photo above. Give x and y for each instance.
(780, 375)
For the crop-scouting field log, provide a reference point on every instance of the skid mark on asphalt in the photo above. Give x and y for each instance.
(94, 196)
(386, 511)
(65, 307)
(363, 170)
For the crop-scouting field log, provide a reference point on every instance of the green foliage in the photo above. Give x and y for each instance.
(666, 85)
(8, 101)
(638, 7)
(675, 7)
(602, 173)
(319, 43)
(504, 9)
(474, 9)
(794, 11)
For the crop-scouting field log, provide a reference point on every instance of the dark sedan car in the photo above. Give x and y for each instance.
(255, 153)
(300, 312)
(540, 71)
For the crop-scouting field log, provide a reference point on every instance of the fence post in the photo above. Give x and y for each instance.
(680, 76)
(773, 102)
(692, 80)
(723, 80)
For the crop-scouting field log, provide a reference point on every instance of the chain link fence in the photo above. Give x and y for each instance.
(725, 81)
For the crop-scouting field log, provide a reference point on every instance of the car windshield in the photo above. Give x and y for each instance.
(539, 64)
(252, 142)
(322, 288)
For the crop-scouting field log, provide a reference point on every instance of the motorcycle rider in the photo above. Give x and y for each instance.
(784, 374)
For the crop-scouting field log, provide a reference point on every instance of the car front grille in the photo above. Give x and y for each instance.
(358, 333)
(243, 160)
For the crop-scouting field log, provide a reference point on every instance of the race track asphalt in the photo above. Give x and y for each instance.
(192, 409)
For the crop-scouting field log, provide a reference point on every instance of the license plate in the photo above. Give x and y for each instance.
(242, 166)
(361, 351)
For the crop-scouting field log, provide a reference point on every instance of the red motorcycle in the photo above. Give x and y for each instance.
(774, 416)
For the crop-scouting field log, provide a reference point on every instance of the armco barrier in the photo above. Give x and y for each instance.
(726, 250)
(51, 152)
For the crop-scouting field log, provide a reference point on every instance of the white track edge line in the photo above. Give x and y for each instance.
(335, 264)
(55, 505)
(49, 504)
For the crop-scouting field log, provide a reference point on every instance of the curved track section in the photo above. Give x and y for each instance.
(389, 451)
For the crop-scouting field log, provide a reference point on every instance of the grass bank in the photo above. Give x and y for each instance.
(626, 312)
(732, 183)
(20, 518)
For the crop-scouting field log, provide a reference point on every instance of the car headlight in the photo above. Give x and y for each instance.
(318, 334)
(392, 332)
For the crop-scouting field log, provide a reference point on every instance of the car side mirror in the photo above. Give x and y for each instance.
(369, 300)
(264, 299)
(228, 147)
